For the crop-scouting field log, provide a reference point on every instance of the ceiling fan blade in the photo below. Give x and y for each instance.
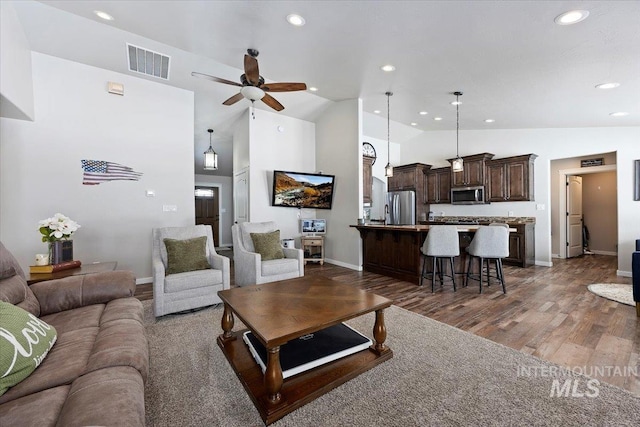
(251, 70)
(272, 102)
(215, 79)
(235, 98)
(283, 87)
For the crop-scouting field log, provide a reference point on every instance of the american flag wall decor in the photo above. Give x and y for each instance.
(98, 171)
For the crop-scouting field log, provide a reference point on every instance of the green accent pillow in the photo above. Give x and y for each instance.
(186, 255)
(25, 341)
(268, 245)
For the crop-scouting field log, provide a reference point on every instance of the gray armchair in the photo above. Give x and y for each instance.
(191, 289)
(248, 265)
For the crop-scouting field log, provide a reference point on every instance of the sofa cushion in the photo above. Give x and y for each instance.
(186, 255)
(25, 341)
(268, 245)
(77, 318)
(20, 412)
(14, 290)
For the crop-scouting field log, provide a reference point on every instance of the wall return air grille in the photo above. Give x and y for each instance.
(148, 62)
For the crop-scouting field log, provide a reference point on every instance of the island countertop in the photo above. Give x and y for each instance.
(418, 227)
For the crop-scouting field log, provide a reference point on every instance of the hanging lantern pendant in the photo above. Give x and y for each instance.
(457, 164)
(210, 156)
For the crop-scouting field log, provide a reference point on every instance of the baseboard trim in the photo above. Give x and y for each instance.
(544, 263)
(343, 264)
(605, 253)
(623, 273)
(144, 280)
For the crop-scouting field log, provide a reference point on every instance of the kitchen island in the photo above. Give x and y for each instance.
(394, 250)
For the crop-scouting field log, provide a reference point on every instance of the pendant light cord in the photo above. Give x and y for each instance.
(388, 126)
(457, 125)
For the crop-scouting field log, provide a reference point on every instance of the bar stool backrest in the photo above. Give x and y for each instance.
(441, 241)
(490, 242)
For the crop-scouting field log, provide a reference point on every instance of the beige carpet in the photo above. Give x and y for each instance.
(614, 291)
(439, 376)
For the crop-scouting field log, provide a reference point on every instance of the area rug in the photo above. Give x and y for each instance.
(614, 291)
(438, 376)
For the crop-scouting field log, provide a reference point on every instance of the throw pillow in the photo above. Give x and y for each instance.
(25, 341)
(268, 245)
(186, 255)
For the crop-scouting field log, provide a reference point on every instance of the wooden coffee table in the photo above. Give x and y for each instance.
(279, 312)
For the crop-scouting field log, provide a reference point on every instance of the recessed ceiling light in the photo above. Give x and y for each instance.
(607, 85)
(313, 89)
(423, 113)
(489, 120)
(437, 119)
(571, 17)
(388, 68)
(295, 20)
(376, 111)
(456, 102)
(619, 114)
(103, 15)
(414, 124)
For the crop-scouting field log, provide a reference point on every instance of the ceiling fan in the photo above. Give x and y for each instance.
(252, 83)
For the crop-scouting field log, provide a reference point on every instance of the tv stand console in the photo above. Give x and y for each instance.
(313, 247)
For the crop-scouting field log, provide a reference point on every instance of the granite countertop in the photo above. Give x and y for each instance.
(482, 220)
(416, 228)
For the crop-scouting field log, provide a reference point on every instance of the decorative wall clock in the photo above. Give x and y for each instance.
(369, 151)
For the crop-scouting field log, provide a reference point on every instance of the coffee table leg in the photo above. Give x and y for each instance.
(227, 325)
(273, 375)
(379, 334)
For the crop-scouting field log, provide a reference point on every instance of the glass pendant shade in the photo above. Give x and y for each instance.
(388, 170)
(210, 156)
(457, 165)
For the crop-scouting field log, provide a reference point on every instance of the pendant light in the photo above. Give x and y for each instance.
(388, 170)
(210, 156)
(457, 164)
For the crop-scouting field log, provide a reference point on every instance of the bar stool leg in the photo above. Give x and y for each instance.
(440, 271)
(480, 273)
(488, 272)
(433, 275)
(466, 278)
(424, 267)
(453, 273)
(501, 274)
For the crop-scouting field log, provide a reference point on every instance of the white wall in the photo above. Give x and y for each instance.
(225, 195)
(291, 149)
(150, 129)
(16, 87)
(549, 144)
(339, 152)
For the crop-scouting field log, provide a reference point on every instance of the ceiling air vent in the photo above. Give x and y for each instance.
(148, 62)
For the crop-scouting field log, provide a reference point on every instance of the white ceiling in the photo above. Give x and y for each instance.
(513, 63)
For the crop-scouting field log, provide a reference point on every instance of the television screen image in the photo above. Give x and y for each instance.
(314, 226)
(302, 190)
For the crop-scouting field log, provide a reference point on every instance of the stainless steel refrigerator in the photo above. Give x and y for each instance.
(400, 208)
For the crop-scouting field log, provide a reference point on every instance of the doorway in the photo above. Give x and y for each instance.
(207, 202)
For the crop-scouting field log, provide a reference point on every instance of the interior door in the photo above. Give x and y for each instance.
(207, 210)
(241, 197)
(574, 216)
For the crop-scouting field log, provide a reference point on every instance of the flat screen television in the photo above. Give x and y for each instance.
(302, 190)
(313, 226)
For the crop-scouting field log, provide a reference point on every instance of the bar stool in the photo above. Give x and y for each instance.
(441, 242)
(490, 243)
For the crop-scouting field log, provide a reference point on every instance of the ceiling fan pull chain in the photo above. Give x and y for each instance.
(253, 109)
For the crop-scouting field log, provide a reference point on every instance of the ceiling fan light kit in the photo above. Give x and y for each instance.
(252, 84)
(458, 164)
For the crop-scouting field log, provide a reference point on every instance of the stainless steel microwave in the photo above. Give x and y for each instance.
(467, 195)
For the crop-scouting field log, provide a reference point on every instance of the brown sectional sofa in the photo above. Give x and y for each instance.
(96, 371)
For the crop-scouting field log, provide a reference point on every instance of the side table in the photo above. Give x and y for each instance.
(313, 247)
(96, 267)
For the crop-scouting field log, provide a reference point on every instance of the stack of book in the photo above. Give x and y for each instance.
(52, 268)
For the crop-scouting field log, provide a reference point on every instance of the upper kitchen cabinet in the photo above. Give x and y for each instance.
(408, 177)
(511, 179)
(367, 178)
(437, 185)
(474, 171)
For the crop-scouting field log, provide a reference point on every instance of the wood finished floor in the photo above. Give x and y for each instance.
(547, 312)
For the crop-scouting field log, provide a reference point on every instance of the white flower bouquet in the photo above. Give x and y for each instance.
(59, 227)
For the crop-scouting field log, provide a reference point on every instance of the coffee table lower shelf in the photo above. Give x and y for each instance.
(299, 389)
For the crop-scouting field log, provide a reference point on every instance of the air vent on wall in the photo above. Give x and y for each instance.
(148, 62)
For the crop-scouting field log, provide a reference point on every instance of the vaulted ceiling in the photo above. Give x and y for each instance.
(513, 63)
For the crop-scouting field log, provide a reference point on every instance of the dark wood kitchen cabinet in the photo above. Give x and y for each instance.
(367, 178)
(408, 177)
(437, 187)
(510, 179)
(522, 250)
(473, 172)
